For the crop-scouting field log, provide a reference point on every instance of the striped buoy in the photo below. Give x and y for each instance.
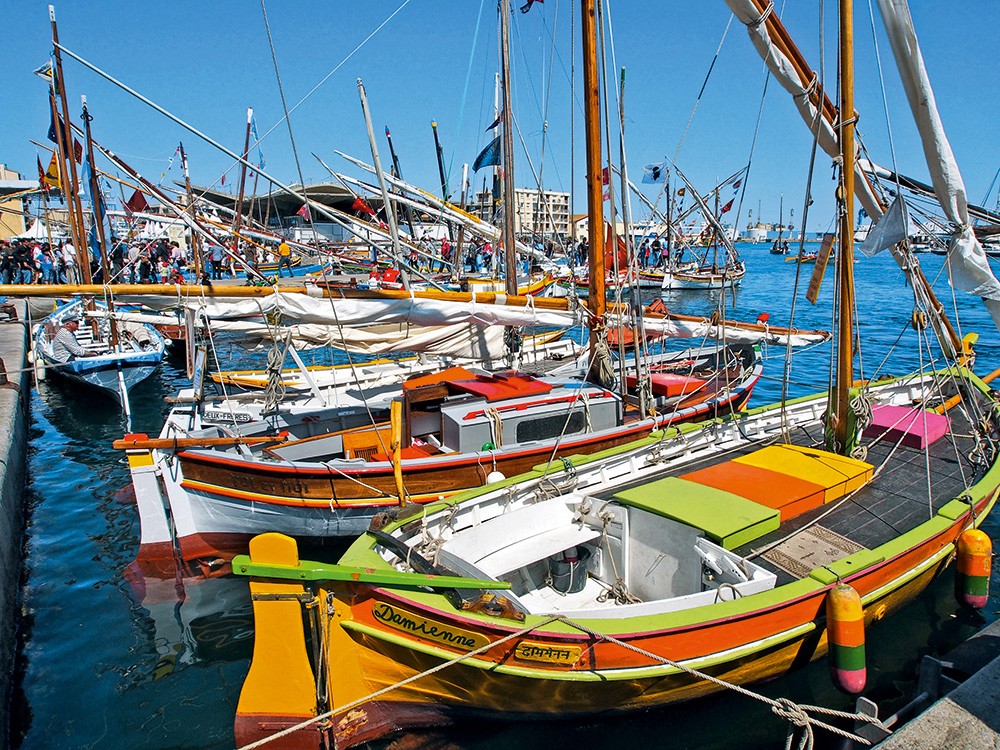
(972, 568)
(845, 628)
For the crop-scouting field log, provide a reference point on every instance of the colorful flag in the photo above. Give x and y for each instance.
(44, 70)
(136, 203)
(654, 174)
(53, 136)
(50, 177)
(736, 185)
(489, 157)
(361, 206)
(680, 192)
(527, 6)
(727, 207)
(304, 211)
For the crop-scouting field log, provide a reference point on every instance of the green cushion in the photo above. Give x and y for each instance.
(726, 519)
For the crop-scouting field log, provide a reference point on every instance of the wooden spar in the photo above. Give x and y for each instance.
(195, 238)
(439, 152)
(507, 115)
(779, 36)
(596, 301)
(72, 191)
(243, 175)
(136, 442)
(844, 368)
(390, 211)
(407, 212)
(98, 209)
(75, 224)
(457, 251)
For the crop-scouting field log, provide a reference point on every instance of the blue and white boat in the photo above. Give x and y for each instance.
(110, 367)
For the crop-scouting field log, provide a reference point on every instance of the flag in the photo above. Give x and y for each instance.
(223, 181)
(85, 177)
(736, 185)
(489, 157)
(44, 70)
(303, 212)
(726, 207)
(527, 6)
(256, 138)
(361, 206)
(605, 176)
(496, 122)
(49, 178)
(680, 192)
(654, 174)
(136, 203)
(54, 137)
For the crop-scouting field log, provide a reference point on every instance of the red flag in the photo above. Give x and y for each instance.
(605, 177)
(223, 181)
(304, 211)
(527, 6)
(726, 207)
(78, 151)
(41, 175)
(360, 206)
(136, 203)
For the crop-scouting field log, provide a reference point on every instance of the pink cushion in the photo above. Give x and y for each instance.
(916, 428)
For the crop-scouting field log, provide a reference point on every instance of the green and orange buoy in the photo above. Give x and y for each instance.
(974, 553)
(845, 628)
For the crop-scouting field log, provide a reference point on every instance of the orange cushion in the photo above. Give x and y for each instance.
(789, 495)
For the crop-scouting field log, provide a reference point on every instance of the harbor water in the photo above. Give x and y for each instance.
(110, 660)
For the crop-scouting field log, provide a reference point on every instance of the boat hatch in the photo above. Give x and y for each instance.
(501, 386)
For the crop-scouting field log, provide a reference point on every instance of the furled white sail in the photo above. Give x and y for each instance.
(803, 91)
(968, 267)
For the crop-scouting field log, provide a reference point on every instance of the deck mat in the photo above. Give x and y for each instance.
(809, 549)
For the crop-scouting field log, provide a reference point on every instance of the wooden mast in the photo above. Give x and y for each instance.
(72, 193)
(65, 187)
(595, 207)
(507, 114)
(195, 238)
(844, 370)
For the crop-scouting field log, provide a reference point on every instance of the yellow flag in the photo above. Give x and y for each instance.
(51, 177)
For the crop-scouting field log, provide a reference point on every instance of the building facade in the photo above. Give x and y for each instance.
(542, 214)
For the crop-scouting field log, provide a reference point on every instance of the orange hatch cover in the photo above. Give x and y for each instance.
(445, 376)
(501, 386)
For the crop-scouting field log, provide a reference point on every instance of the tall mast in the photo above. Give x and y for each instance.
(595, 208)
(195, 238)
(845, 262)
(510, 255)
(390, 210)
(65, 187)
(73, 192)
(407, 212)
(243, 177)
(98, 206)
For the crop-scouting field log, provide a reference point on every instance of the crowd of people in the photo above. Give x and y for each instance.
(27, 261)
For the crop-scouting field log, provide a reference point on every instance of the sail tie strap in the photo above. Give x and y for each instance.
(764, 15)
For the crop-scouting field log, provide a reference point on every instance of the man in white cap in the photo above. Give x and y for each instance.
(65, 347)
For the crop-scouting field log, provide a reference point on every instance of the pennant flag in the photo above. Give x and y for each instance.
(41, 175)
(136, 203)
(85, 176)
(53, 136)
(223, 181)
(726, 207)
(654, 174)
(361, 206)
(680, 192)
(496, 122)
(489, 157)
(44, 70)
(304, 211)
(736, 185)
(527, 6)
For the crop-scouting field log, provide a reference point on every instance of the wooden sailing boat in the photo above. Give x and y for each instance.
(619, 582)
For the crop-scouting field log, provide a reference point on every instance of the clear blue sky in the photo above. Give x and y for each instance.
(207, 62)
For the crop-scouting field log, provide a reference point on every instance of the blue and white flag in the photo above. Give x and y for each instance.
(654, 174)
(490, 156)
(256, 138)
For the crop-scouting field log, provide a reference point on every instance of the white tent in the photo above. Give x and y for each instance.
(38, 231)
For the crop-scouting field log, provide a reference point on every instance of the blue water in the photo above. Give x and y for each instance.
(109, 664)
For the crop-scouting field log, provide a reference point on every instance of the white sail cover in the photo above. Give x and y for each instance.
(967, 265)
(784, 71)
(892, 228)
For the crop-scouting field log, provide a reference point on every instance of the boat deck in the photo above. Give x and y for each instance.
(894, 502)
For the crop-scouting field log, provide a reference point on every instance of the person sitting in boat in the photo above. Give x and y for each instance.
(65, 347)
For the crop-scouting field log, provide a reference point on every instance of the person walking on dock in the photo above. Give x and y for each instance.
(285, 259)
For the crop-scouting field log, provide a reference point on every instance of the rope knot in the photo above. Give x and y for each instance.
(756, 24)
(791, 712)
